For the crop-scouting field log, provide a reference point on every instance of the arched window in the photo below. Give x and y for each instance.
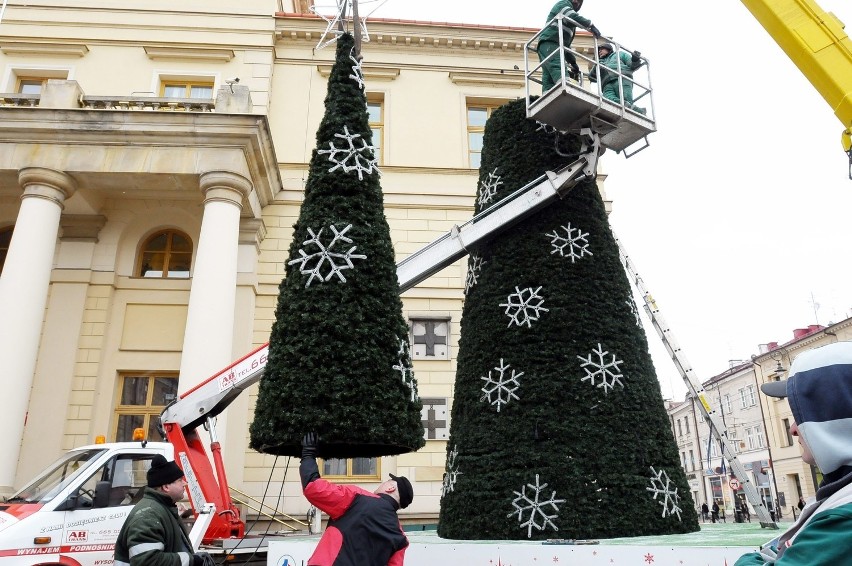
(5, 239)
(165, 254)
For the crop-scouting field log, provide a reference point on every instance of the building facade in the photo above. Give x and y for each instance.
(152, 165)
(758, 428)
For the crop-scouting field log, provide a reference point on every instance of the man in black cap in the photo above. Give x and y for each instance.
(819, 391)
(363, 529)
(153, 533)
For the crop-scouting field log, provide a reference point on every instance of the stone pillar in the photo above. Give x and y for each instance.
(209, 336)
(23, 296)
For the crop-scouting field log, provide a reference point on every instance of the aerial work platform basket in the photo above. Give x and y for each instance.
(622, 114)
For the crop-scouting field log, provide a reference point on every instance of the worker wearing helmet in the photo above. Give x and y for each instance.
(613, 62)
(548, 43)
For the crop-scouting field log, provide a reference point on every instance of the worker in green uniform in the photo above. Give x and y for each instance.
(611, 64)
(548, 42)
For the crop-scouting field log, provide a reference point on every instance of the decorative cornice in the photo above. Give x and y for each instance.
(194, 53)
(411, 34)
(370, 72)
(508, 79)
(50, 49)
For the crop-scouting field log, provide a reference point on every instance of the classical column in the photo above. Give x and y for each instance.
(209, 335)
(23, 296)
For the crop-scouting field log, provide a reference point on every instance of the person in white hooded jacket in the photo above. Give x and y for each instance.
(819, 390)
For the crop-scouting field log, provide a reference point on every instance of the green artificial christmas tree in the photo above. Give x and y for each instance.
(558, 425)
(339, 360)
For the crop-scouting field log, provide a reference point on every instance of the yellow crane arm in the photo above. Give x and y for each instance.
(816, 42)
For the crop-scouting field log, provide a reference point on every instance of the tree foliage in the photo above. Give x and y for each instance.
(593, 445)
(339, 361)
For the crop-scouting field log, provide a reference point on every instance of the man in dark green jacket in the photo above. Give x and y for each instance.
(611, 65)
(548, 43)
(153, 535)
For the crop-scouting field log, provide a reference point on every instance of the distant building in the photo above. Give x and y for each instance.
(757, 427)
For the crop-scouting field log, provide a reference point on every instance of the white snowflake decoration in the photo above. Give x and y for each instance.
(339, 20)
(324, 263)
(361, 159)
(357, 71)
(405, 368)
(504, 386)
(452, 474)
(488, 187)
(523, 307)
(662, 485)
(572, 245)
(608, 372)
(522, 503)
(631, 304)
(473, 271)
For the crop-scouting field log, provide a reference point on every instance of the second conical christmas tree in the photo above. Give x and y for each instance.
(339, 361)
(558, 427)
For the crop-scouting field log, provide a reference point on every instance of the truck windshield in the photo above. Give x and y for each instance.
(56, 477)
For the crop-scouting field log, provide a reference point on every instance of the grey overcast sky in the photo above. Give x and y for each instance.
(737, 215)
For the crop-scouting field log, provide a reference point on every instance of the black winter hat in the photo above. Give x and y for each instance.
(163, 472)
(406, 492)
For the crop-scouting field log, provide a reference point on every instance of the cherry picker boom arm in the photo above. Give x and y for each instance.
(717, 426)
(815, 41)
(200, 405)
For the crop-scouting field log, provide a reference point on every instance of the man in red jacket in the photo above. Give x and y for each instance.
(363, 529)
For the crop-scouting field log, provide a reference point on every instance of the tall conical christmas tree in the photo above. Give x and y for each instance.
(558, 425)
(339, 361)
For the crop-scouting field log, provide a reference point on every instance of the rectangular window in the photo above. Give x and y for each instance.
(752, 399)
(743, 399)
(187, 89)
(750, 438)
(430, 339)
(758, 431)
(692, 459)
(356, 469)
(679, 428)
(477, 115)
(376, 116)
(31, 85)
(686, 422)
(141, 399)
(727, 405)
(785, 424)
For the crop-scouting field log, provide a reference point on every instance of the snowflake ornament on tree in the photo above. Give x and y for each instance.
(600, 369)
(662, 485)
(325, 264)
(404, 367)
(523, 307)
(473, 270)
(452, 473)
(361, 159)
(504, 386)
(522, 503)
(631, 304)
(572, 245)
(357, 71)
(488, 187)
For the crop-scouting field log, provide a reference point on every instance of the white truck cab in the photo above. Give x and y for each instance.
(71, 513)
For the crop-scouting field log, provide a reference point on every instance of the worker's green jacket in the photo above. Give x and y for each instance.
(153, 535)
(568, 29)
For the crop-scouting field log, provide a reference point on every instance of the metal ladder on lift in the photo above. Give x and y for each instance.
(717, 426)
